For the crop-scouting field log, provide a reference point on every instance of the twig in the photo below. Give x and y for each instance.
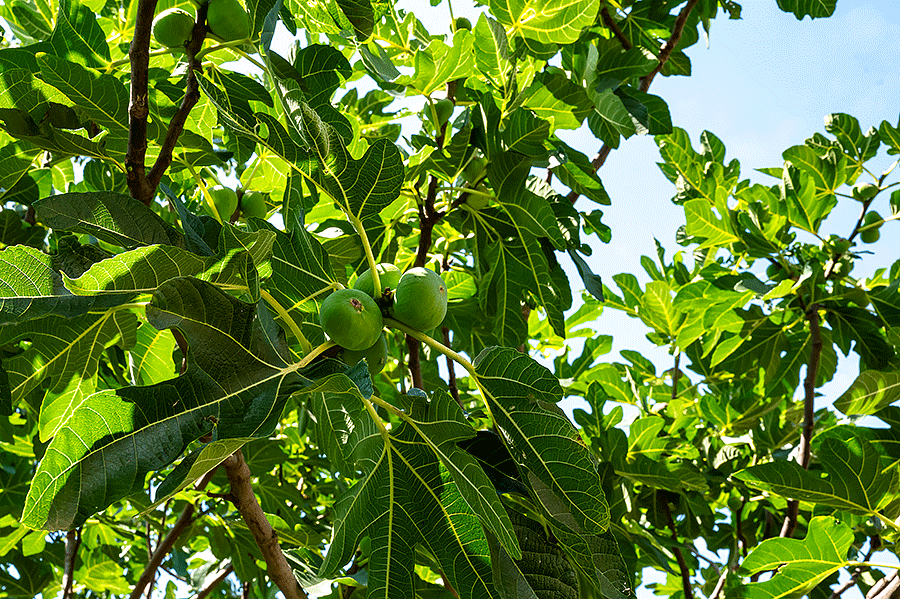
(665, 52)
(415, 366)
(886, 587)
(73, 541)
(874, 545)
(220, 576)
(185, 519)
(266, 538)
(451, 372)
(809, 386)
(610, 24)
(139, 108)
(679, 555)
(676, 373)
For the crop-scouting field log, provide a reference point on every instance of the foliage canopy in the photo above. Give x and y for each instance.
(166, 387)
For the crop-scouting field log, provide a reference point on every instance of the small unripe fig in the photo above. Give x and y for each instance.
(376, 356)
(864, 191)
(253, 204)
(463, 23)
(478, 201)
(775, 271)
(388, 277)
(228, 20)
(173, 28)
(351, 319)
(226, 201)
(474, 169)
(420, 300)
(874, 234)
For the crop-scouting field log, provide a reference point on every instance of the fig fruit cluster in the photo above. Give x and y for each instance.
(354, 318)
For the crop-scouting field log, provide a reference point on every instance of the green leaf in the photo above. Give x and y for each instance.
(521, 396)
(555, 98)
(800, 565)
(610, 119)
(491, 50)
(814, 8)
(871, 391)
(301, 269)
(360, 15)
(616, 64)
(858, 145)
(235, 386)
(799, 200)
(406, 498)
(890, 135)
(547, 22)
(439, 63)
(115, 218)
(853, 479)
(711, 230)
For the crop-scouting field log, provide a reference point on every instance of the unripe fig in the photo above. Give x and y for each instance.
(253, 204)
(376, 356)
(474, 169)
(388, 277)
(351, 319)
(478, 201)
(775, 271)
(463, 23)
(420, 300)
(874, 234)
(864, 191)
(226, 201)
(228, 20)
(838, 244)
(173, 28)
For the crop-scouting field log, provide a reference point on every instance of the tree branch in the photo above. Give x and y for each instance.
(451, 372)
(679, 555)
(185, 519)
(874, 545)
(266, 538)
(886, 587)
(139, 55)
(219, 577)
(665, 52)
(415, 366)
(610, 24)
(191, 97)
(73, 542)
(809, 386)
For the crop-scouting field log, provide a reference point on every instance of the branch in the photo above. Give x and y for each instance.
(219, 577)
(679, 556)
(451, 372)
(266, 538)
(874, 545)
(610, 24)
(73, 541)
(185, 519)
(139, 55)
(191, 97)
(664, 53)
(886, 587)
(809, 386)
(415, 367)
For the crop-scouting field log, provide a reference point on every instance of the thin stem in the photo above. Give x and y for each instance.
(312, 355)
(185, 519)
(874, 544)
(139, 105)
(73, 542)
(610, 24)
(305, 345)
(414, 364)
(443, 349)
(679, 555)
(809, 385)
(266, 538)
(451, 371)
(220, 576)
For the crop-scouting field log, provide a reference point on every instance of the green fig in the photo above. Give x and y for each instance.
(351, 318)
(388, 277)
(253, 204)
(376, 356)
(173, 28)
(228, 20)
(226, 201)
(420, 300)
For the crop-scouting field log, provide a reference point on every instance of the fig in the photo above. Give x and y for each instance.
(874, 234)
(864, 191)
(388, 277)
(420, 300)
(253, 204)
(376, 356)
(478, 201)
(228, 20)
(775, 271)
(351, 318)
(173, 28)
(474, 171)
(226, 201)
(463, 23)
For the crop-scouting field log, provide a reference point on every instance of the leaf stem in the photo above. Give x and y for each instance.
(436, 345)
(305, 345)
(315, 353)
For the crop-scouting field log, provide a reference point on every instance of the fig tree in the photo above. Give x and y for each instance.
(351, 318)
(173, 28)
(376, 356)
(388, 277)
(228, 20)
(874, 234)
(420, 300)
(253, 204)
(226, 201)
